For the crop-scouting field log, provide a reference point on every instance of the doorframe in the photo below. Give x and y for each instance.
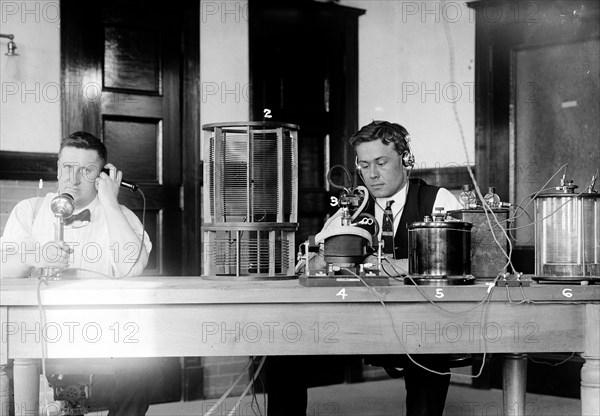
(191, 166)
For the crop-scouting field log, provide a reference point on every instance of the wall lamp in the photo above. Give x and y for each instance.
(11, 45)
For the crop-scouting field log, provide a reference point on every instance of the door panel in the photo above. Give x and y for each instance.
(124, 55)
(132, 59)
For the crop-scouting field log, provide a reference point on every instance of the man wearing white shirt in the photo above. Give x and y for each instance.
(105, 242)
(108, 243)
(384, 159)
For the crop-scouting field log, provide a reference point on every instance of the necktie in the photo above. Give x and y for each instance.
(387, 229)
(82, 216)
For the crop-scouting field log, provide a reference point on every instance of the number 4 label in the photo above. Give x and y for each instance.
(342, 293)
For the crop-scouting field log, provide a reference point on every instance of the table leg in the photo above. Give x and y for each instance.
(5, 401)
(4, 392)
(514, 383)
(590, 372)
(27, 387)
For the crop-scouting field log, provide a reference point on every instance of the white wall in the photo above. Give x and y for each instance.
(404, 74)
(30, 83)
(31, 91)
(224, 61)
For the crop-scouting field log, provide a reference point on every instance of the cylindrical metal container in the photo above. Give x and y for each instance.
(345, 249)
(439, 251)
(567, 235)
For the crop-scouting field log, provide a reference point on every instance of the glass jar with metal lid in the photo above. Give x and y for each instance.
(567, 234)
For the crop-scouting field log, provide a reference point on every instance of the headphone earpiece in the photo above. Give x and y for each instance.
(408, 159)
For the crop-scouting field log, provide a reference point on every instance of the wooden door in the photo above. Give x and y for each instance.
(555, 121)
(304, 69)
(121, 70)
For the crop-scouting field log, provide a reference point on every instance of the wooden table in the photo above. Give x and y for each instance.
(189, 316)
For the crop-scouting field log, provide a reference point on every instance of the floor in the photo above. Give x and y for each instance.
(373, 398)
(381, 398)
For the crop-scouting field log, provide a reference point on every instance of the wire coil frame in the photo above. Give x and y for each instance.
(250, 208)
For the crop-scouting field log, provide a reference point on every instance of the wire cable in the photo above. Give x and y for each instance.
(143, 235)
(391, 318)
(43, 322)
(248, 386)
(57, 274)
(486, 207)
(228, 391)
(551, 364)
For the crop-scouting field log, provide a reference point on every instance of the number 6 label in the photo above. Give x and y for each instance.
(567, 293)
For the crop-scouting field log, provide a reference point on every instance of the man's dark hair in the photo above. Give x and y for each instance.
(382, 130)
(85, 140)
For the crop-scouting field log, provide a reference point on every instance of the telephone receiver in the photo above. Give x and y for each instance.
(124, 183)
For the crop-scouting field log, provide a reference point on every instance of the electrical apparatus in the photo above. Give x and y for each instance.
(62, 207)
(567, 234)
(335, 256)
(439, 251)
(487, 258)
(250, 205)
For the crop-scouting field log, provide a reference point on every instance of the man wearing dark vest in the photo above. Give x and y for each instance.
(383, 157)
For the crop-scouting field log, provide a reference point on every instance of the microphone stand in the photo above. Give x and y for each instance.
(62, 206)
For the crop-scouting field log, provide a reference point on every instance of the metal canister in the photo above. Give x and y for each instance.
(440, 252)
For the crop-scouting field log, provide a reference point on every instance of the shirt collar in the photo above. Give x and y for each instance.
(91, 206)
(399, 198)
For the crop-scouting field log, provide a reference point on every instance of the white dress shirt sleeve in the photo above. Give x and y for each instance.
(445, 199)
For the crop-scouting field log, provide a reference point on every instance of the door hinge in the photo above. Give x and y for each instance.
(181, 197)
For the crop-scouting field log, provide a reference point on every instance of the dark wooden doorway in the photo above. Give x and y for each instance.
(123, 65)
(129, 70)
(304, 69)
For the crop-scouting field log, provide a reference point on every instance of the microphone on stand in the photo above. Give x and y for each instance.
(62, 206)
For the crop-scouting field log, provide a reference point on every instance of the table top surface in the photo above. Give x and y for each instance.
(200, 290)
